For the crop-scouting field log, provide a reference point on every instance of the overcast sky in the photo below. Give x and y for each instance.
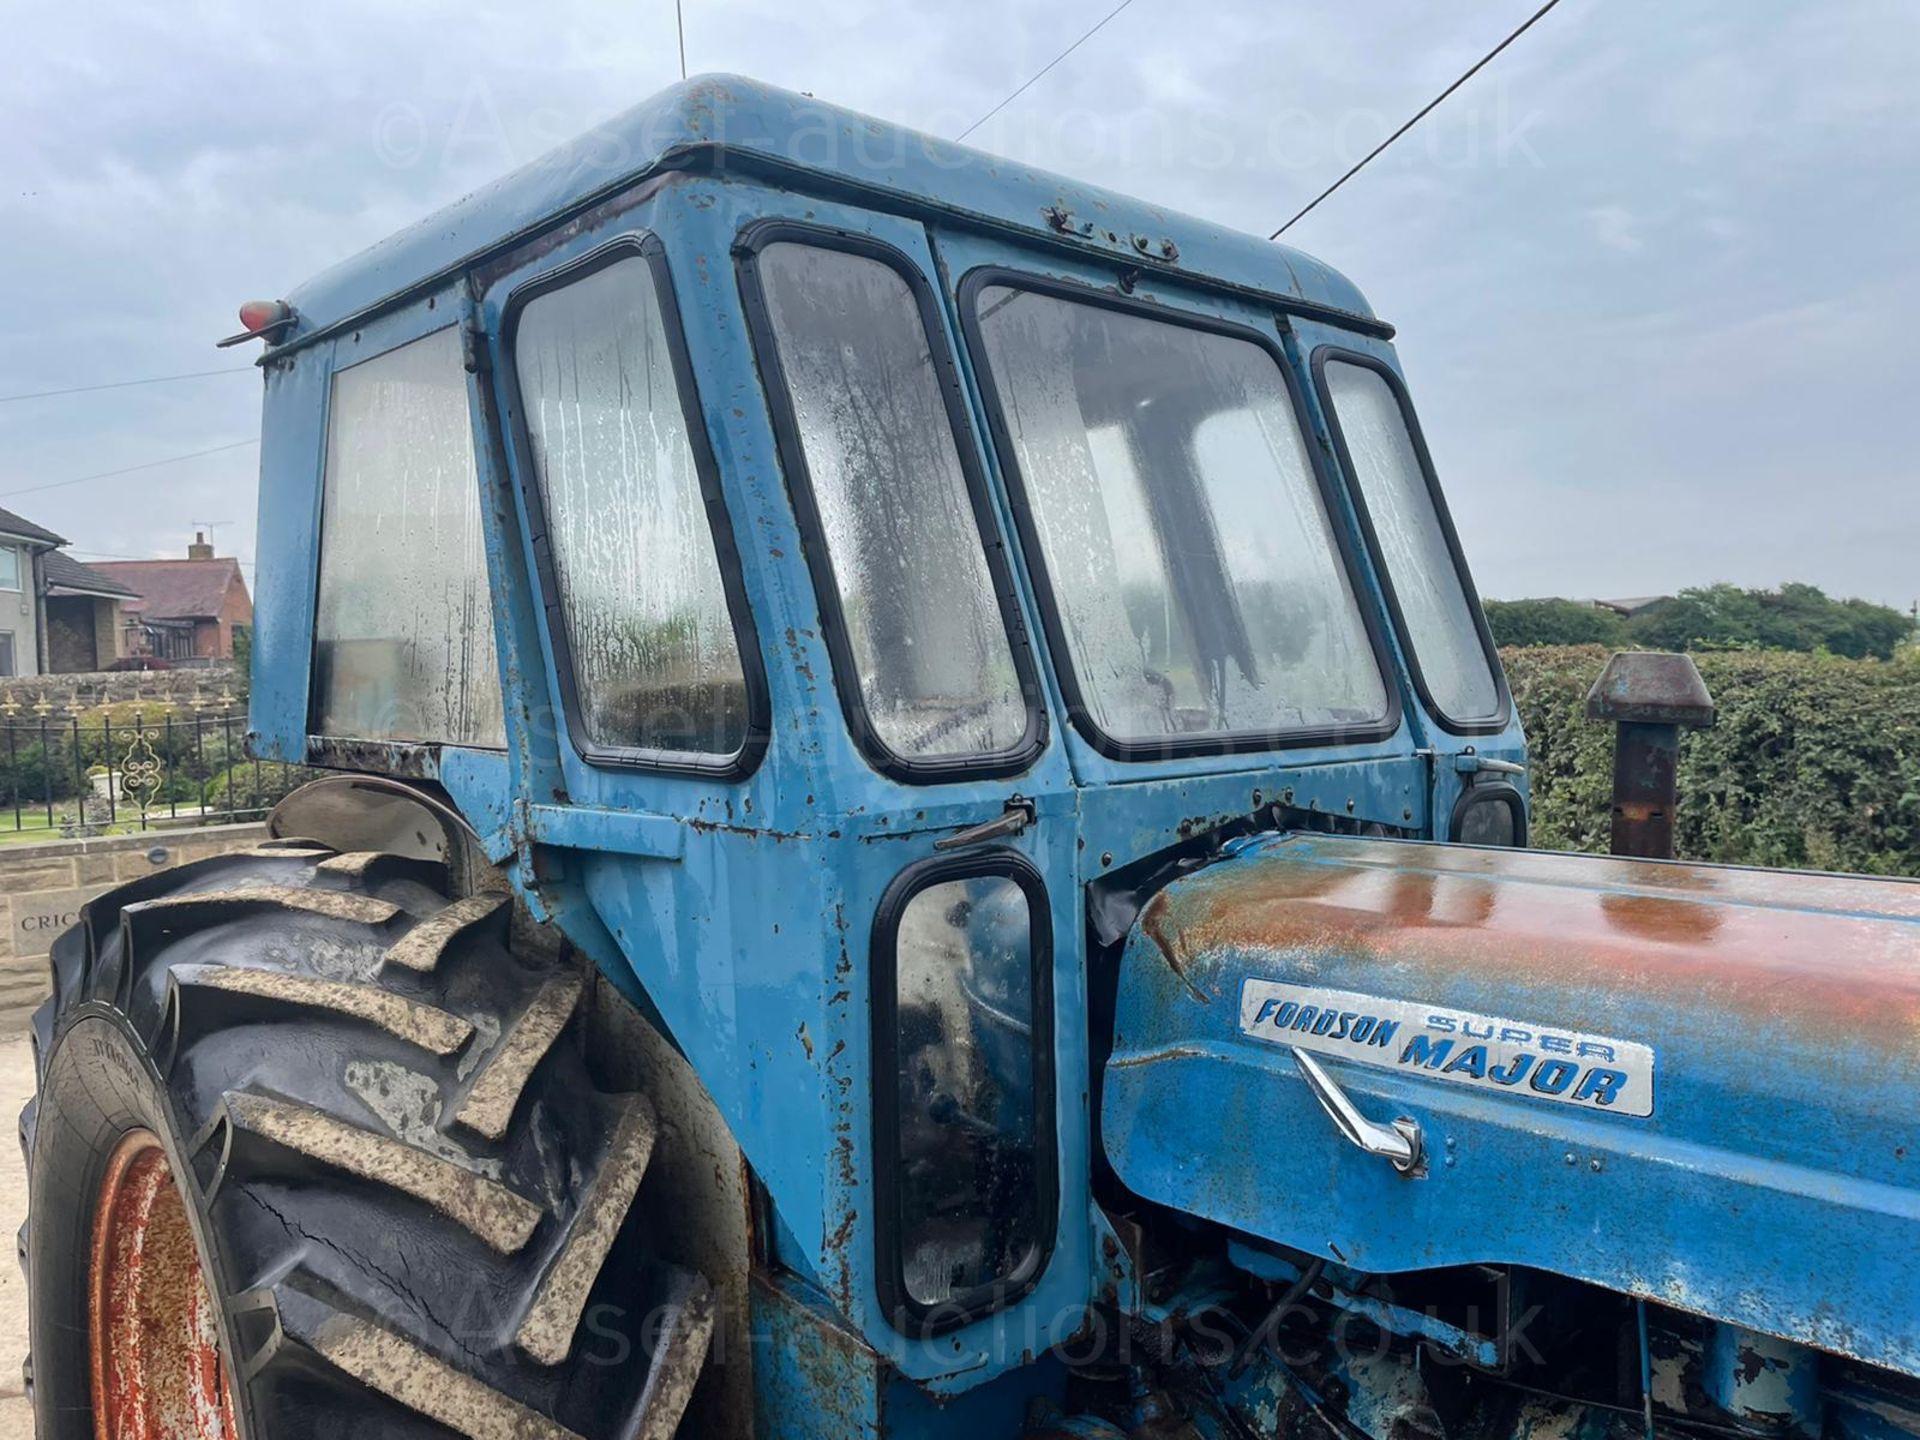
(1654, 270)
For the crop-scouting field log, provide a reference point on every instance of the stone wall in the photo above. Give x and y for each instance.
(68, 693)
(42, 888)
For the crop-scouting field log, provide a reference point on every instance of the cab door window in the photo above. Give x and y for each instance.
(920, 615)
(630, 547)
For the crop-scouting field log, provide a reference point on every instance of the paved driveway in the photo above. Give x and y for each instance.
(16, 1084)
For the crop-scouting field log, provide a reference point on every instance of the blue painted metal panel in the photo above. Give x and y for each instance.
(818, 1383)
(293, 431)
(1771, 1184)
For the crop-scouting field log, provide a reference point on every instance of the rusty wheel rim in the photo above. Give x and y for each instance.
(157, 1370)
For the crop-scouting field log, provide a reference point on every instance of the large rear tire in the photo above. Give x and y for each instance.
(409, 1202)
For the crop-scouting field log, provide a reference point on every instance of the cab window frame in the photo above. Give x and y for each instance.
(1496, 722)
(1498, 792)
(741, 763)
(754, 238)
(1327, 487)
(906, 1314)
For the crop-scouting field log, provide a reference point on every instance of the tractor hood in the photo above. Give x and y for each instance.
(1690, 1083)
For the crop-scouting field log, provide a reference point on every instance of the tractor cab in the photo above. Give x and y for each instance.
(812, 565)
(813, 556)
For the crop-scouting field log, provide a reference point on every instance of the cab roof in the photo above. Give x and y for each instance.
(814, 147)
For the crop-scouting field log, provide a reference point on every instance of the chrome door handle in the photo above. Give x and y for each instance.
(1399, 1142)
(1017, 816)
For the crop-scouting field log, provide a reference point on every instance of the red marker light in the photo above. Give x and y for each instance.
(257, 315)
(262, 320)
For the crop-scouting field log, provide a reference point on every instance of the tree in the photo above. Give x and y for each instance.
(1553, 622)
(1794, 617)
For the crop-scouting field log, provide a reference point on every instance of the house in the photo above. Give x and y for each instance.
(187, 609)
(81, 612)
(56, 615)
(22, 543)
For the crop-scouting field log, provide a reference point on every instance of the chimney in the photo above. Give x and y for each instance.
(199, 549)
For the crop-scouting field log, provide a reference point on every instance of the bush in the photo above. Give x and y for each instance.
(33, 773)
(254, 786)
(1814, 762)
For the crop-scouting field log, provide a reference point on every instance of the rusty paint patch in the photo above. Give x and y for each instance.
(1754, 940)
(1156, 920)
(156, 1367)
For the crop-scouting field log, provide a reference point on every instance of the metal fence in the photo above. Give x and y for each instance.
(97, 774)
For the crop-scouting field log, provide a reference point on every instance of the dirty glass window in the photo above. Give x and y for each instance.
(403, 639)
(656, 663)
(935, 668)
(1490, 821)
(1191, 562)
(967, 1178)
(1433, 600)
(9, 568)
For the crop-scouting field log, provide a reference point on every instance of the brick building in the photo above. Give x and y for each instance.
(186, 608)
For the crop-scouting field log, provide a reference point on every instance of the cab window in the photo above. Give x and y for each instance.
(1193, 579)
(630, 540)
(919, 619)
(403, 634)
(1400, 503)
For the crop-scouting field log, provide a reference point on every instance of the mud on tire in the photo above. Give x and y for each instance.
(412, 1201)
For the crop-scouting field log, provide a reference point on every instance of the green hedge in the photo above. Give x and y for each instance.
(1814, 762)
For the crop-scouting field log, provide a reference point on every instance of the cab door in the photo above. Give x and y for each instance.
(855, 911)
(948, 769)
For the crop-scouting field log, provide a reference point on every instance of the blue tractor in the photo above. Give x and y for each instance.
(924, 839)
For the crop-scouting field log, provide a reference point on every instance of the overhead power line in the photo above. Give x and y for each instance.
(125, 384)
(1035, 77)
(1425, 110)
(129, 469)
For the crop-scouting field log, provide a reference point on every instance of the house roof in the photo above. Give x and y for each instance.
(12, 524)
(66, 573)
(175, 589)
(1633, 604)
